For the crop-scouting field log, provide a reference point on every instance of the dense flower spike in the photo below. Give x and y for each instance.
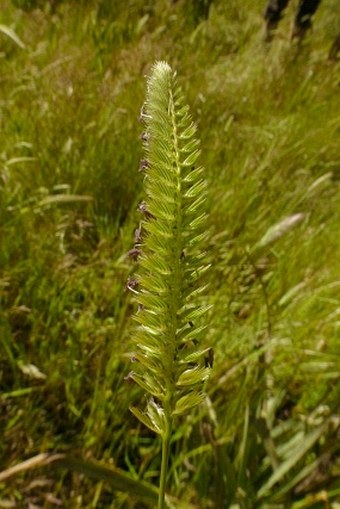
(171, 367)
(169, 364)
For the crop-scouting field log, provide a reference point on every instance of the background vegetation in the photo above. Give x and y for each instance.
(72, 84)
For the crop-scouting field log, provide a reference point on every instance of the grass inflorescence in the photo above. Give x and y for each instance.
(72, 83)
(172, 363)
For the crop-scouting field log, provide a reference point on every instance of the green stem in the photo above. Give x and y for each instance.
(177, 283)
(166, 438)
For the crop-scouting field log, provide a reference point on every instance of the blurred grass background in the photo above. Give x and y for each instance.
(71, 88)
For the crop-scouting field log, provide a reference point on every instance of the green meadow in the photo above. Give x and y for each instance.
(72, 85)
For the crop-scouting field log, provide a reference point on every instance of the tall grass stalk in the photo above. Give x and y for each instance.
(171, 366)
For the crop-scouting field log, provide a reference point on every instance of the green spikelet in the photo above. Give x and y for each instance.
(171, 367)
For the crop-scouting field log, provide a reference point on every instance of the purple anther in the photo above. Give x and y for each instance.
(144, 165)
(145, 137)
(134, 253)
(142, 207)
(132, 284)
(138, 235)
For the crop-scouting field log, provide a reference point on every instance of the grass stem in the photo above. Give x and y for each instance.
(166, 438)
